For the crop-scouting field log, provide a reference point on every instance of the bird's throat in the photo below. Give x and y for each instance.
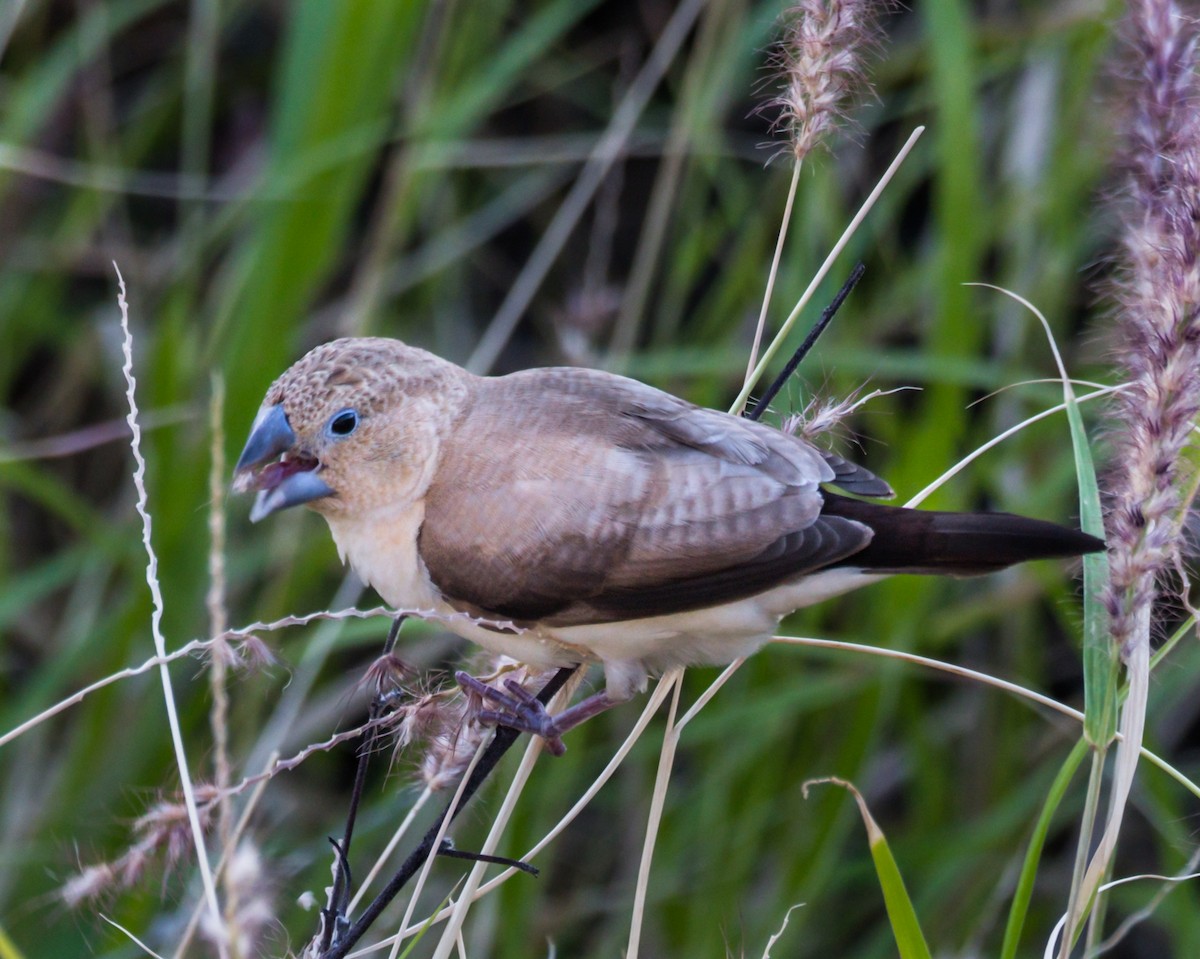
(380, 545)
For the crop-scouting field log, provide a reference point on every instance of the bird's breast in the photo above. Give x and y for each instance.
(381, 547)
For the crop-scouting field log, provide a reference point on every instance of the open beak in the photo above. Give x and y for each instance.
(271, 464)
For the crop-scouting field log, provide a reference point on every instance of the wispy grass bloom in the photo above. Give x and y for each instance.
(1159, 312)
(820, 61)
(820, 58)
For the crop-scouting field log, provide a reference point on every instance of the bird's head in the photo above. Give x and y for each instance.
(353, 425)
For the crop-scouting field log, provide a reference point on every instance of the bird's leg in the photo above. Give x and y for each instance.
(522, 710)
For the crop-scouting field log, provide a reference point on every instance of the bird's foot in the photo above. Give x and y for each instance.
(521, 710)
(518, 709)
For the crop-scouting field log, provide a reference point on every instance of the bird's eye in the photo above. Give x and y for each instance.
(344, 423)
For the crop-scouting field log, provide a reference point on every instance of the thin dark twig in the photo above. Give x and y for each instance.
(343, 864)
(504, 738)
(450, 852)
(339, 895)
(827, 315)
(333, 915)
(390, 643)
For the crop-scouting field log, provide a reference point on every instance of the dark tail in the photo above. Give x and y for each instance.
(926, 541)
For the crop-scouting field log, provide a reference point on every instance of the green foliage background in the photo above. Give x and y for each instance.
(270, 175)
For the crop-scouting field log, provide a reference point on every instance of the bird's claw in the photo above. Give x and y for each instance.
(518, 709)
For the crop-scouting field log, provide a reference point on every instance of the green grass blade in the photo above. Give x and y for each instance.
(341, 65)
(1100, 660)
(1033, 854)
(906, 927)
(8, 948)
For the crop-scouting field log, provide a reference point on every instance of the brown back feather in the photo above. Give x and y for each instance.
(612, 500)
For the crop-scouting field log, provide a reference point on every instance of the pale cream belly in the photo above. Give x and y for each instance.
(633, 650)
(383, 551)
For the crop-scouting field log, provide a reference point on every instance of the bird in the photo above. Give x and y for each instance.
(563, 516)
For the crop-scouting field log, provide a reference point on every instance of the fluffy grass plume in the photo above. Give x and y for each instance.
(1159, 318)
(820, 61)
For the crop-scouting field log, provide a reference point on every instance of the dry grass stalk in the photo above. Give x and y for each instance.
(821, 65)
(249, 912)
(160, 645)
(222, 654)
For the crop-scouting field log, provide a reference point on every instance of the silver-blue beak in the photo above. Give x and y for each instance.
(270, 436)
(282, 480)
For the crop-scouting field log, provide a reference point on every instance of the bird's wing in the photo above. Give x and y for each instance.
(854, 478)
(575, 496)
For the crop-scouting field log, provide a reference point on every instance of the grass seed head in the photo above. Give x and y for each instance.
(1158, 316)
(820, 60)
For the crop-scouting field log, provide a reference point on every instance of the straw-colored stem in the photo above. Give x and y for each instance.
(160, 643)
(437, 844)
(850, 230)
(613, 141)
(217, 620)
(662, 779)
(771, 276)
